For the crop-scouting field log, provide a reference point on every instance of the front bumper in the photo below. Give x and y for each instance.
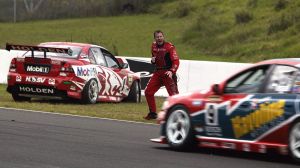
(161, 140)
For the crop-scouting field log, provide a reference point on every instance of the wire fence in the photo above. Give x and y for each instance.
(23, 10)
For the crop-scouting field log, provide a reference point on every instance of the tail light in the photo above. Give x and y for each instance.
(13, 65)
(66, 69)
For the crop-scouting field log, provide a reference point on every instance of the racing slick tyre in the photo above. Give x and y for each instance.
(294, 141)
(90, 92)
(134, 93)
(179, 129)
(18, 98)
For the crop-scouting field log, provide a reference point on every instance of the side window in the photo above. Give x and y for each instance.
(249, 81)
(296, 86)
(92, 57)
(282, 79)
(110, 59)
(98, 56)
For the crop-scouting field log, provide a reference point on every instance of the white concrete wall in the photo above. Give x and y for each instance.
(193, 75)
(200, 75)
(5, 58)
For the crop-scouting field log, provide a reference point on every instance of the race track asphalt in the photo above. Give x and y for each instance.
(43, 140)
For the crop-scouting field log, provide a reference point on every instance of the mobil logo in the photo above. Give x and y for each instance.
(86, 71)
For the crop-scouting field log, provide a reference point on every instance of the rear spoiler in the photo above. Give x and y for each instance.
(37, 48)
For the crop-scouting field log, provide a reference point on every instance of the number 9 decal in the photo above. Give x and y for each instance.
(211, 115)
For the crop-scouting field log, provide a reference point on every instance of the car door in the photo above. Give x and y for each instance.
(282, 90)
(253, 103)
(98, 62)
(118, 75)
(224, 112)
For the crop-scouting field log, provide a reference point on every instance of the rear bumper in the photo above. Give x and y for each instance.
(44, 86)
(36, 91)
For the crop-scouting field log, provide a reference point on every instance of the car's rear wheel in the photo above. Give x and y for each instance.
(18, 98)
(179, 131)
(294, 141)
(134, 93)
(90, 92)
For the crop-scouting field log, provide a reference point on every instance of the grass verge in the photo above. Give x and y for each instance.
(120, 111)
(123, 35)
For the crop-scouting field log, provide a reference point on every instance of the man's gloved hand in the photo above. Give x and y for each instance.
(169, 74)
(153, 60)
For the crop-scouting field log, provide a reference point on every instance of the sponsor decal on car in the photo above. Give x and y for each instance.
(37, 68)
(211, 115)
(55, 62)
(82, 71)
(34, 79)
(213, 131)
(228, 145)
(246, 147)
(109, 82)
(51, 81)
(196, 102)
(266, 113)
(262, 148)
(28, 89)
(144, 74)
(37, 48)
(18, 78)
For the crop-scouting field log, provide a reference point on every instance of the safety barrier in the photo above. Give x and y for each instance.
(192, 75)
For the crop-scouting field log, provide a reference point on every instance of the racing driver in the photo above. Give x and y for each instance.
(166, 62)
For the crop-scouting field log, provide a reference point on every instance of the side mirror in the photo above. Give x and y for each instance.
(124, 65)
(216, 89)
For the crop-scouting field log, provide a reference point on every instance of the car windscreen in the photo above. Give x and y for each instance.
(74, 52)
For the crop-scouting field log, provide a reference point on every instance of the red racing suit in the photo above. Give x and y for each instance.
(166, 59)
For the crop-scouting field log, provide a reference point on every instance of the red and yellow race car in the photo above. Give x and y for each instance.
(59, 70)
(255, 110)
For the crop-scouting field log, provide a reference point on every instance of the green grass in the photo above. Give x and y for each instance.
(122, 111)
(270, 33)
(132, 35)
(200, 29)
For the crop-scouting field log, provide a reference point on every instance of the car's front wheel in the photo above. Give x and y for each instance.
(90, 92)
(134, 93)
(294, 141)
(179, 132)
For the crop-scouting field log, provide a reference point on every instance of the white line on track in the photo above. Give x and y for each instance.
(72, 115)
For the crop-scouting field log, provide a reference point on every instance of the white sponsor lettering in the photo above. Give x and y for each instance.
(228, 145)
(246, 147)
(34, 79)
(31, 68)
(144, 74)
(213, 131)
(36, 90)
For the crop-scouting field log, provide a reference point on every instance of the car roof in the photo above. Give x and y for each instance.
(70, 44)
(286, 61)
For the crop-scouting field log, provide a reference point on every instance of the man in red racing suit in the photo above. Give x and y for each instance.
(166, 62)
